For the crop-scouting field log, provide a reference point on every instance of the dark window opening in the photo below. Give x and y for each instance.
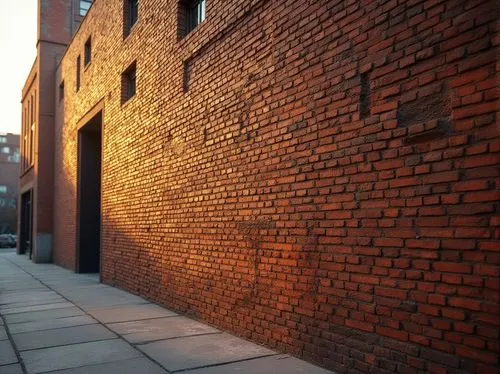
(78, 68)
(191, 13)
(129, 83)
(186, 76)
(130, 14)
(61, 91)
(365, 96)
(88, 51)
(84, 7)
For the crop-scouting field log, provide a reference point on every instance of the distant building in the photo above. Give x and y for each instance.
(9, 182)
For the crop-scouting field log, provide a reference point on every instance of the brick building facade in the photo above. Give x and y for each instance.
(57, 22)
(317, 176)
(9, 181)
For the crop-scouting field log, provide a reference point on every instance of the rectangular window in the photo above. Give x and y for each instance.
(3, 189)
(130, 14)
(88, 51)
(3, 139)
(84, 7)
(61, 91)
(32, 130)
(191, 14)
(25, 137)
(5, 150)
(78, 68)
(129, 82)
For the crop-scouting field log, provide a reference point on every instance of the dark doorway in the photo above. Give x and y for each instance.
(89, 196)
(26, 234)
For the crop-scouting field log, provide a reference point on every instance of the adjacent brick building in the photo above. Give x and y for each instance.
(57, 22)
(9, 182)
(317, 176)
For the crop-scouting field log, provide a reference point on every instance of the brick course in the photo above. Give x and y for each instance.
(317, 176)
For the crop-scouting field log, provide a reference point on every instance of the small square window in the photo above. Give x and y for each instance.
(130, 14)
(191, 14)
(3, 189)
(3, 139)
(129, 83)
(84, 7)
(78, 68)
(61, 91)
(5, 150)
(88, 51)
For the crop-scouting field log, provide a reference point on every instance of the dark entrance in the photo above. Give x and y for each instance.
(89, 196)
(26, 234)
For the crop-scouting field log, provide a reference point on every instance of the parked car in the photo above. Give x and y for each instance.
(13, 237)
(6, 241)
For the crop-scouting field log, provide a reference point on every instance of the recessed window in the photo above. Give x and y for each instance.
(191, 14)
(61, 91)
(5, 150)
(3, 189)
(88, 51)
(78, 69)
(130, 14)
(3, 139)
(129, 82)
(84, 7)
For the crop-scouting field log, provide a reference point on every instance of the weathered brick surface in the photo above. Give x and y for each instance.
(318, 176)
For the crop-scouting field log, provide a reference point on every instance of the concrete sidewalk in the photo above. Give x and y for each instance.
(53, 320)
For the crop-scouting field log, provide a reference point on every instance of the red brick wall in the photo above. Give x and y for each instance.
(326, 185)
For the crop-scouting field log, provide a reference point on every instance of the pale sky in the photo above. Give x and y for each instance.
(18, 20)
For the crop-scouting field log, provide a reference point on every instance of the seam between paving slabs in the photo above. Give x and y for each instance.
(53, 328)
(225, 363)
(14, 346)
(177, 337)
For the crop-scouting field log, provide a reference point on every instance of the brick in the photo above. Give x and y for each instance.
(479, 197)
(475, 185)
(360, 325)
(465, 303)
(451, 176)
(474, 110)
(452, 267)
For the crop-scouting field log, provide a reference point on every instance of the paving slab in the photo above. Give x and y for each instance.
(20, 285)
(77, 355)
(50, 324)
(35, 308)
(130, 366)
(11, 369)
(101, 297)
(130, 313)
(138, 332)
(43, 315)
(25, 296)
(32, 303)
(7, 354)
(279, 364)
(200, 351)
(3, 333)
(70, 335)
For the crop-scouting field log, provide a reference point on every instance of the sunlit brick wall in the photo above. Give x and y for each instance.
(318, 176)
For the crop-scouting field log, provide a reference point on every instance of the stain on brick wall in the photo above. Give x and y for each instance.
(326, 183)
